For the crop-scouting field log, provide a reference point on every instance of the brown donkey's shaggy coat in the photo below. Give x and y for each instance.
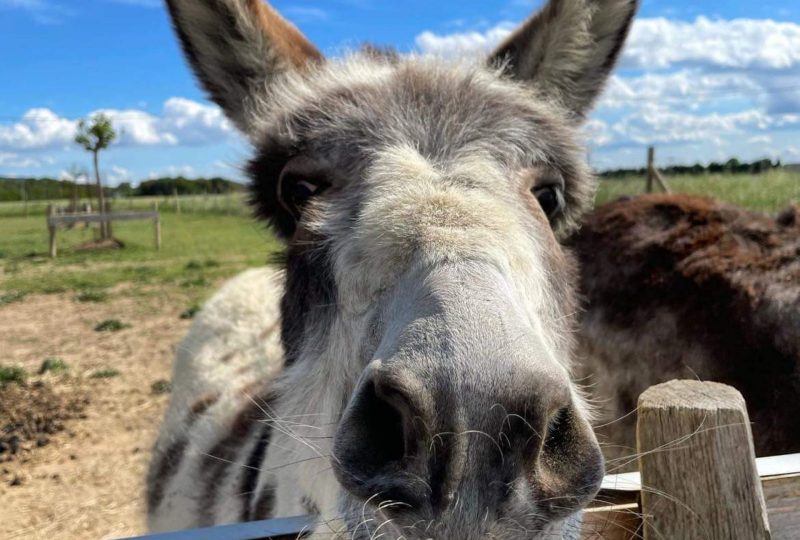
(679, 286)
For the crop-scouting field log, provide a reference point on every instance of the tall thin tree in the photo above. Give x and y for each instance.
(96, 135)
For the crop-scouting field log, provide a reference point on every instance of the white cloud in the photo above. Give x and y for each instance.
(38, 128)
(173, 170)
(704, 86)
(462, 44)
(16, 161)
(191, 122)
(181, 122)
(658, 124)
(760, 139)
(42, 11)
(598, 132)
(737, 43)
(658, 43)
(119, 174)
(688, 88)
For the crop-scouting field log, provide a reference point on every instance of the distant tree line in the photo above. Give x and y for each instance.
(33, 189)
(183, 186)
(732, 166)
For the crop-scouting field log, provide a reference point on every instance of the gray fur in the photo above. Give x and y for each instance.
(428, 306)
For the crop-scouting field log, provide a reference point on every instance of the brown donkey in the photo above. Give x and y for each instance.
(408, 373)
(684, 287)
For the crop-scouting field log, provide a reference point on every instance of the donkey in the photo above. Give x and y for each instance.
(407, 373)
(679, 286)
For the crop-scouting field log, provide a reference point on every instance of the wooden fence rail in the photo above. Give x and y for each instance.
(54, 221)
(699, 479)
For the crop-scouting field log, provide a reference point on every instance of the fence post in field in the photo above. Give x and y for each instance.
(157, 227)
(51, 228)
(651, 165)
(24, 196)
(109, 227)
(653, 176)
(696, 457)
(177, 201)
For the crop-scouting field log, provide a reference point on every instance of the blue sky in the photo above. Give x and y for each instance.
(701, 80)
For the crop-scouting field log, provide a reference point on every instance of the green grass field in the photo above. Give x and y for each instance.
(769, 192)
(197, 250)
(214, 238)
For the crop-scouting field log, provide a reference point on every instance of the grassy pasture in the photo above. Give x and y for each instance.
(769, 192)
(197, 250)
(214, 237)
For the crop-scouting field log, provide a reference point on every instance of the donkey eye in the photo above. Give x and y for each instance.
(300, 190)
(551, 199)
(300, 181)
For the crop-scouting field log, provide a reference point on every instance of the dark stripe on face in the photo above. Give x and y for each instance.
(264, 504)
(217, 465)
(310, 292)
(201, 406)
(166, 464)
(251, 475)
(163, 468)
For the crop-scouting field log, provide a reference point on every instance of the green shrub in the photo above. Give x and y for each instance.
(53, 365)
(12, 374)
(161, 386)
(199, 281)
(199, 265)
(11, 297)
(190, 312)
(91, 296)
(111, 325)
(54, 289)
(109, 373)
(193, 265)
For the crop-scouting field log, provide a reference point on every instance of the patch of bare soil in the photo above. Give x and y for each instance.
(31, 413)
(97, 245)
(83, 439)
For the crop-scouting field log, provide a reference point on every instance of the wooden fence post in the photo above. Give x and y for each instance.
(177, 201)
(51, 228)
(699, 476)
(653, 176)
(108, 225)
(157, 227)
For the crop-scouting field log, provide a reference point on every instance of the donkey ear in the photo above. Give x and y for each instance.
(236, 48)
(568, 49)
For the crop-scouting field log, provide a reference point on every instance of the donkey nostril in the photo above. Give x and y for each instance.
(558, 431)
(382, 425)
(371, 443)
(569, 465)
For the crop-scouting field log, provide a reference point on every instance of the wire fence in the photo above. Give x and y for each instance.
(233, 204)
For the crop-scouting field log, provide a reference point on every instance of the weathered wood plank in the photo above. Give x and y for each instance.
(780, 481)
(782, 494)
(698, 465)
(71, 219)
(788, 465)
(617, 522)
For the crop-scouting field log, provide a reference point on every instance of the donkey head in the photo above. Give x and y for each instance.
(429, 305)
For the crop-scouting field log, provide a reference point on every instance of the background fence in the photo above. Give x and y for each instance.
(226, 204)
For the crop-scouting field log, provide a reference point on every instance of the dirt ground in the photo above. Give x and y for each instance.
(84, 443)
